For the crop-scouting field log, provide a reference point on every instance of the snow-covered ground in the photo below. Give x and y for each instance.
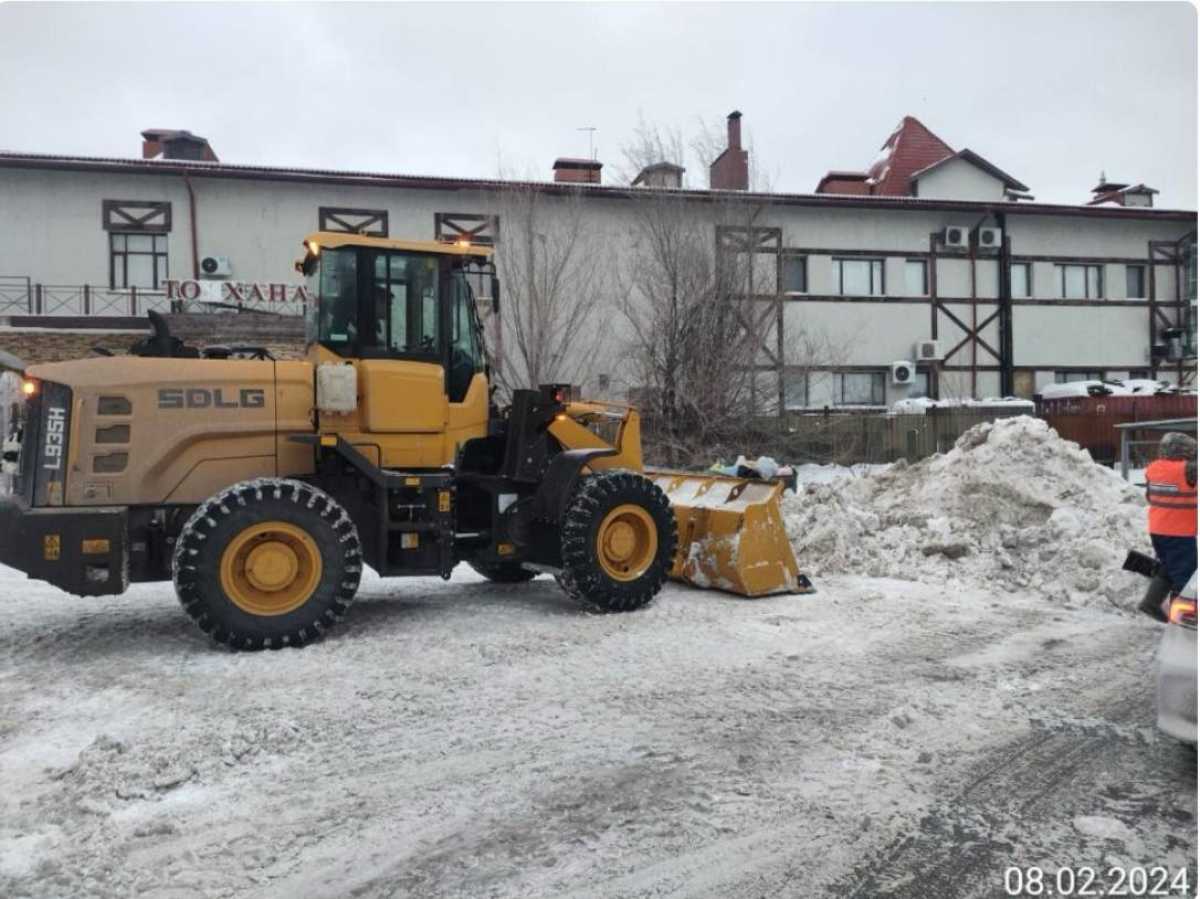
(969, 690)
(879, 738)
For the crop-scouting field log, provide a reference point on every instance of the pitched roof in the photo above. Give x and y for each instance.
(1115, 192)
(908, 149)
(980, 163)
(200, 169)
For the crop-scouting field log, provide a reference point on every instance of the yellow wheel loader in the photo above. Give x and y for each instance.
(261, 487)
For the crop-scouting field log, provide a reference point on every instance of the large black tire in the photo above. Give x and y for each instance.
(584, 575)
(503, 572)
(318, 525)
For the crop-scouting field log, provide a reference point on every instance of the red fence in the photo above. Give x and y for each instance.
(1090, 420)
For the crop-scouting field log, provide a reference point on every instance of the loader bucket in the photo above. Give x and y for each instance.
(731, 534)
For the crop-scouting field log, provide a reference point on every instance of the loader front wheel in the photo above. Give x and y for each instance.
(618, 541)
(267, 563)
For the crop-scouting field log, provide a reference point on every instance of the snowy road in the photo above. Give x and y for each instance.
(879, 739)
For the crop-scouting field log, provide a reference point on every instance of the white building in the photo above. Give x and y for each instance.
(932, 256)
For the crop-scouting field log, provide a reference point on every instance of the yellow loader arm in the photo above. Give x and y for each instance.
(731, 533)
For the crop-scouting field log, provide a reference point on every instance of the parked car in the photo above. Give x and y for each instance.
(1177, 668)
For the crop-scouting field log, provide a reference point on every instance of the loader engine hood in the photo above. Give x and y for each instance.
(131, 430)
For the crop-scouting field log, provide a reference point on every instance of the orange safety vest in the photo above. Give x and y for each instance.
(1172, 499)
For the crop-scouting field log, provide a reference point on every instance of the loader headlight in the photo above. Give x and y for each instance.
(29, 387)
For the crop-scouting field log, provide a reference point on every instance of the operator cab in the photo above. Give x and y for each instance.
(405, 300)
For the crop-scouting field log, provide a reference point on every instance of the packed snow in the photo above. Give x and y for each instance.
(1012, 507)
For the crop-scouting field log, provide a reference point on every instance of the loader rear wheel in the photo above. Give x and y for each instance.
(504, 572)
(618, 542)
(267, 563)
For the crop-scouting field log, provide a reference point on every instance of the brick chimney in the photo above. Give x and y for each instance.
(731, 170)
(166, 143)
(577, 171)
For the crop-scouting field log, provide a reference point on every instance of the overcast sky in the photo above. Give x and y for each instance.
(1050, 93)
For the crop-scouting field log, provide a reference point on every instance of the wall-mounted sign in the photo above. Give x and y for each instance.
(236, 292)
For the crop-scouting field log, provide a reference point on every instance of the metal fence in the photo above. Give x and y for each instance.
(20, 296)
(880, 438)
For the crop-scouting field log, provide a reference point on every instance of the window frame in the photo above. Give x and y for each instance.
(1086, 266)
(124, 253)
(352, 220)
(1027, 268)
(871, 261)
(839, 387)
(802, 259)
(806, 381)
(1140, 268)
(1071, 376)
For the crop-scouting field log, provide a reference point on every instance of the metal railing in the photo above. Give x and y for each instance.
(16, 295)
(19, 295)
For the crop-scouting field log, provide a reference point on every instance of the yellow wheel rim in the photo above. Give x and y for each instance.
(626, 542)
(270, 568)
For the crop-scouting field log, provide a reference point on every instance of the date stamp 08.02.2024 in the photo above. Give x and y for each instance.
(1071, 882)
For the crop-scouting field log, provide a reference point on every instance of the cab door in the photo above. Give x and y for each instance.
(466, 374)
(402, 376)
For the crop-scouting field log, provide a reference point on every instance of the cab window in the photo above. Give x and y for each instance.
(404, 304)
(333, 319)
(466, 355)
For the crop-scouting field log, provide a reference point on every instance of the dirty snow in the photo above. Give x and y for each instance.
(1011, 507)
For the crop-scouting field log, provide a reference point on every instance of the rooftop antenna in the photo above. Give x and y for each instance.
(591, 143)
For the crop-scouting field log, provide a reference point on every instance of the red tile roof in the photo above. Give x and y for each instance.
(908, 149)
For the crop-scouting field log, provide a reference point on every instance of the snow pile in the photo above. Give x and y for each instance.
(1117, 387)
(1012, 506)
(920, 405)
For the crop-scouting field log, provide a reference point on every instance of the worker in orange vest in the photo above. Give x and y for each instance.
(1171, 492)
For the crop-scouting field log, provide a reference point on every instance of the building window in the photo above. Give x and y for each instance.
(1020, 280)
(858, 388)
(1080, 282)
(859, 277)
(920, 386)
(1135, 282)
(367, 222)
(1139, 374)
(795, 274)
(1070, 377)
(795, 390)
(475, 228)
(137, 260)
(916, 278)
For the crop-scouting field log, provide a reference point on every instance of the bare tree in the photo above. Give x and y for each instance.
(552, 259)
(694, 340)
(649, 145)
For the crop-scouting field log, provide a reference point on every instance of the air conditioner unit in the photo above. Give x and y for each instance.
(927, 351)
(989, 238)
(956, 237)
(904, 373)
(216, 267)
